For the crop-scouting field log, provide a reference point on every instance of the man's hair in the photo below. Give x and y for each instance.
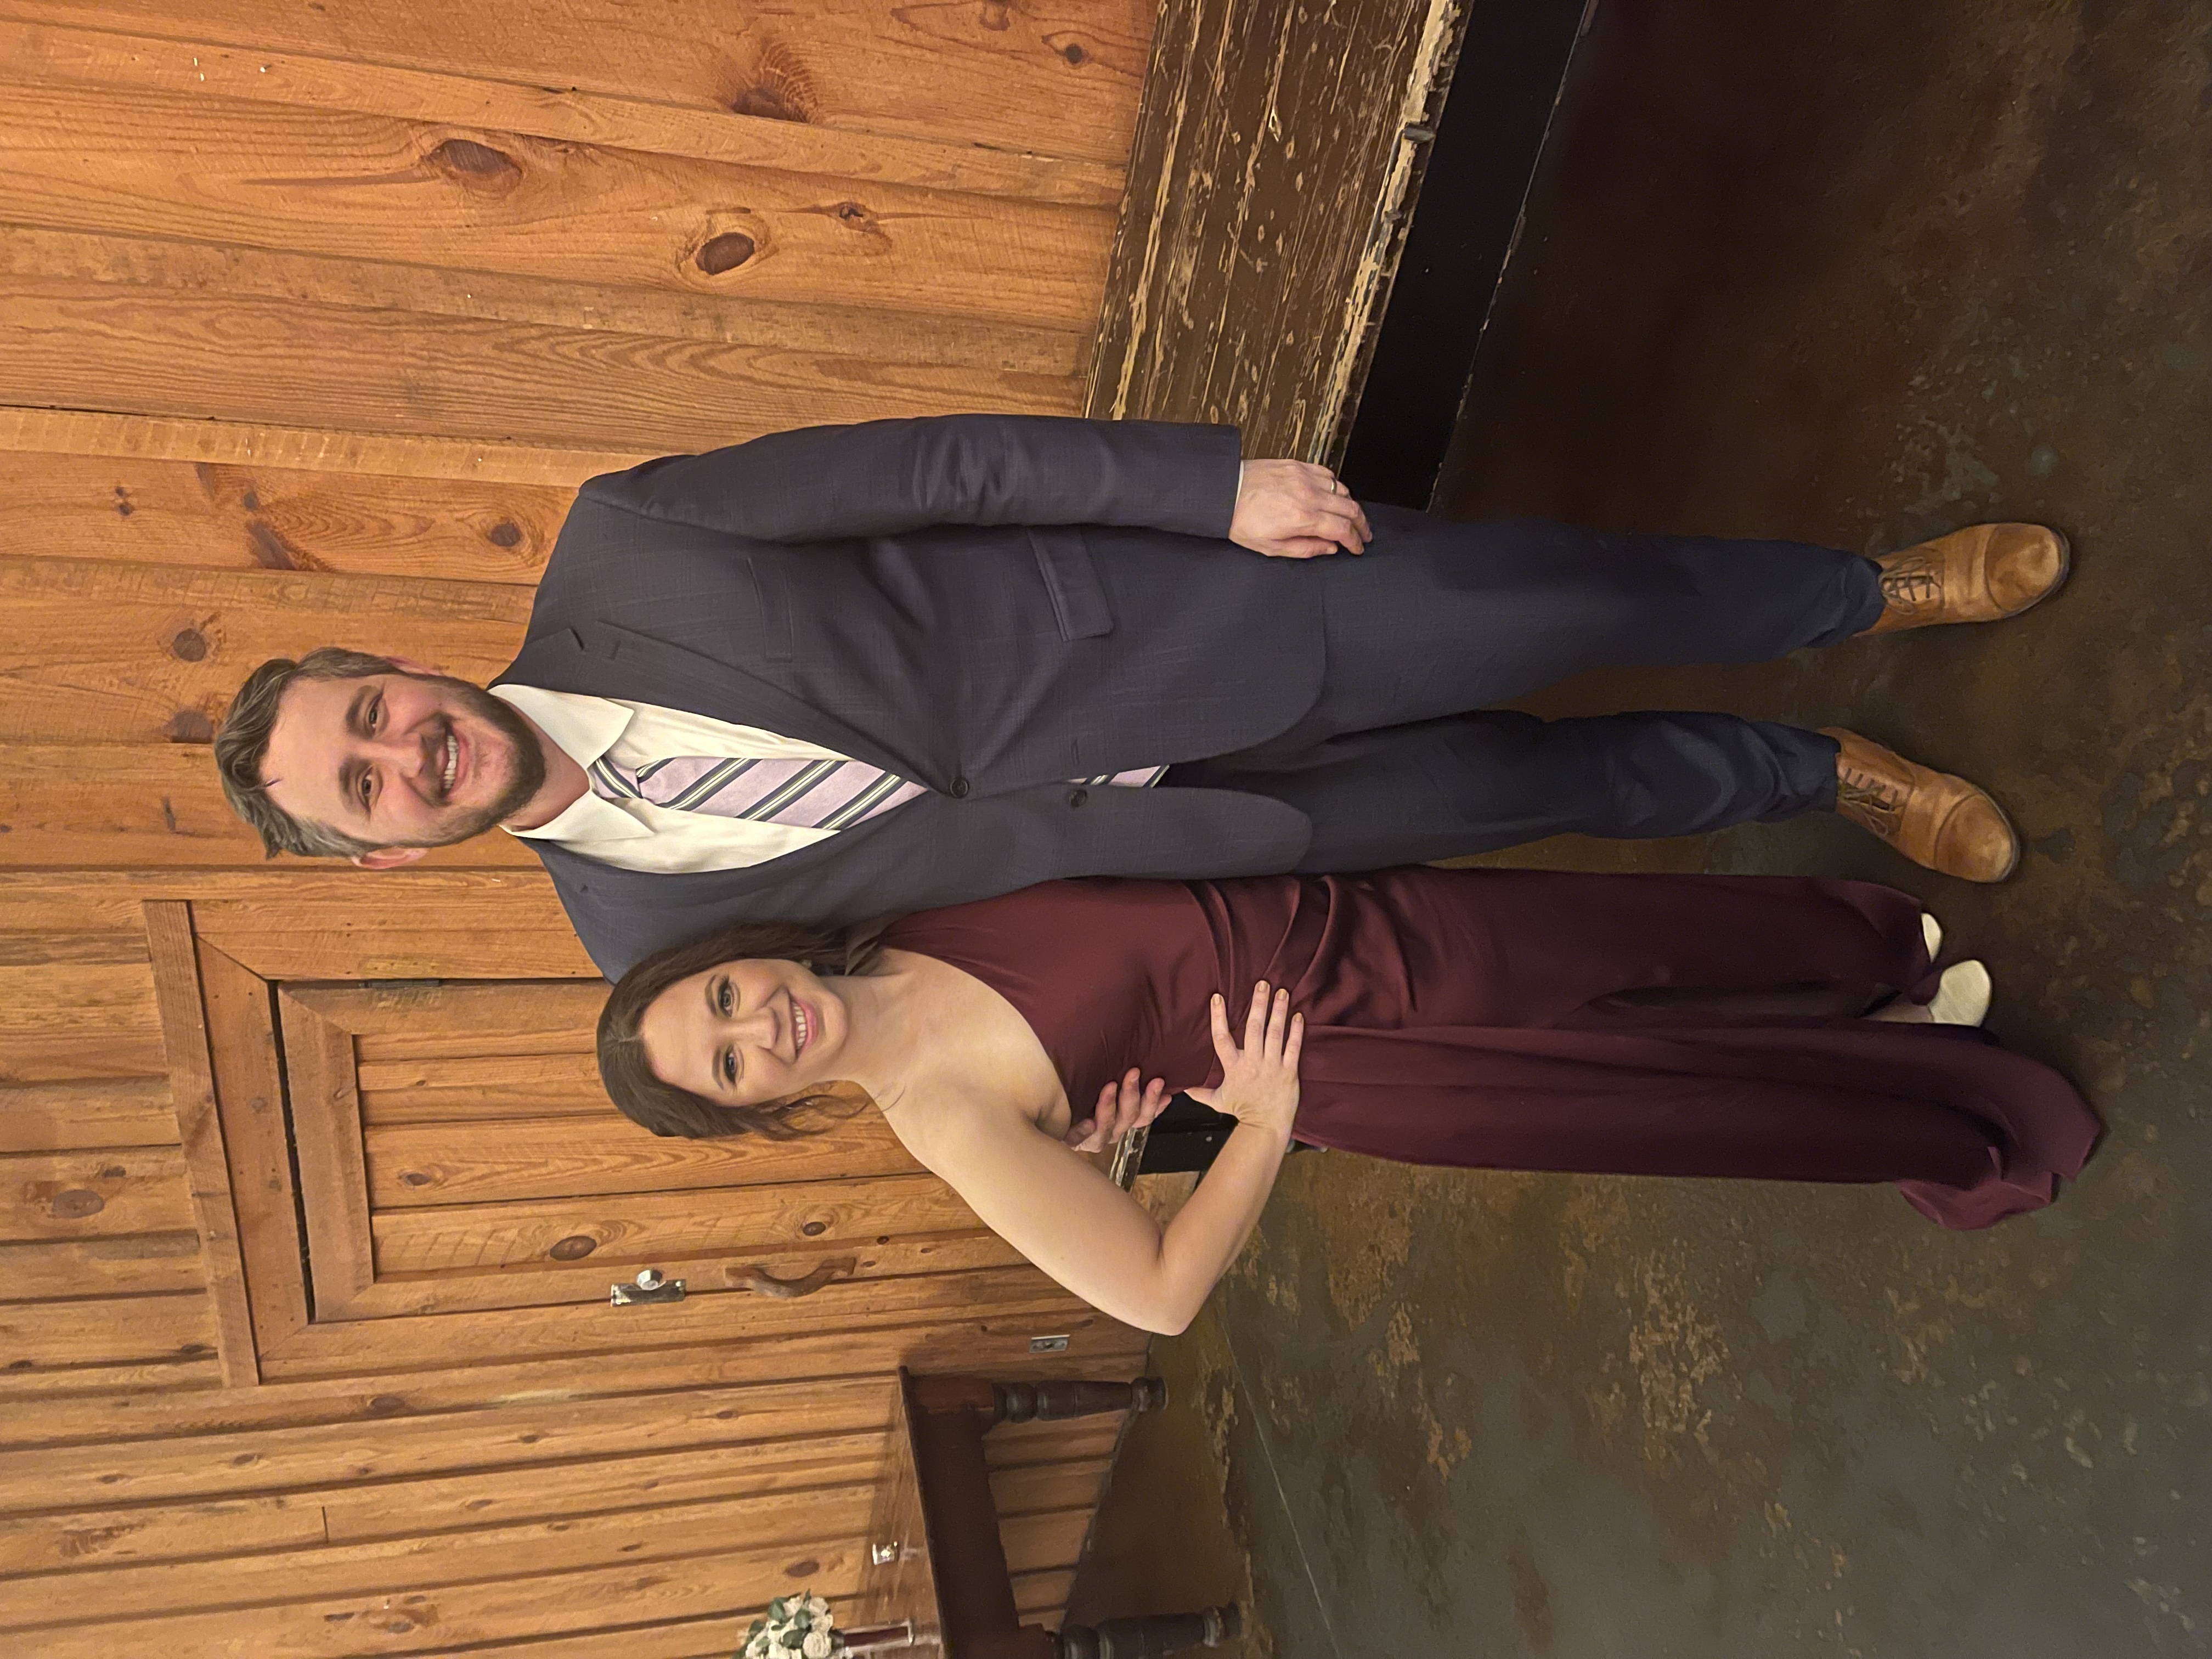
(667, 1110)
(242, 745)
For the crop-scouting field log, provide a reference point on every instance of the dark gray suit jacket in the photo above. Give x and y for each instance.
(989, 606)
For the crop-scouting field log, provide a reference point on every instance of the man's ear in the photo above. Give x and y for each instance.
(388, 858)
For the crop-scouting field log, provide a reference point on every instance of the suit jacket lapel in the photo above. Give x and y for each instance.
(603, 659)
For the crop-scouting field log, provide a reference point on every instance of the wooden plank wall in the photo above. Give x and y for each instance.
(366, 290)
(311, 317)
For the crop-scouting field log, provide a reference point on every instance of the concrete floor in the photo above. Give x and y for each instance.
(1859, 275)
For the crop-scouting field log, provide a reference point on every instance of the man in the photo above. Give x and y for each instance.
(851, 671)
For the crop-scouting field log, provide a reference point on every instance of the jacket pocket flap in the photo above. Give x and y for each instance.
(1078, 603)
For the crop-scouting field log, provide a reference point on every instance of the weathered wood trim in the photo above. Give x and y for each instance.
(1277, 154)
(1419, 108)
(191, 1091)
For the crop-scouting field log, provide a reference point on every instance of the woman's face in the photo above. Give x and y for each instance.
(746, 1033)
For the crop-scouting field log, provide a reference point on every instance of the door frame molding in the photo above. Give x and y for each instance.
(185, 1044)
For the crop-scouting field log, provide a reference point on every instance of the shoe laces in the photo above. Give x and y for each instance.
(1875, 801)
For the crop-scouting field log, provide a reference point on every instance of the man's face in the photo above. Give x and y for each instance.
(400, 760)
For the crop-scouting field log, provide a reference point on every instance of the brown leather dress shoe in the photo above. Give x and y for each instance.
(1943, 822)
(1984, 573)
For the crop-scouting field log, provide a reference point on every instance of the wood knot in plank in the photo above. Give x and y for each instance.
(725, 253)
(75, 1203)
(776, 87)
(767, 101)
(189, 644)
(474, 163)
(574, 1247)
(504, 533)
(271, 552)
(189, 725)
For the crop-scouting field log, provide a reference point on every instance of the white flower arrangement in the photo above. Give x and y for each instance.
(797, 1627)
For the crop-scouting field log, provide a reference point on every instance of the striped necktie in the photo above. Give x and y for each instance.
(807, 794)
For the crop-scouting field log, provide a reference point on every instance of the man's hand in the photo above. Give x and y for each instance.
(1122, 1108)
(1294, 510)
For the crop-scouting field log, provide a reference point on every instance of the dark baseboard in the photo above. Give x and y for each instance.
(1511, 64)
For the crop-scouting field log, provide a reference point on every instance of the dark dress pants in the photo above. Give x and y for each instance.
(1404, 757)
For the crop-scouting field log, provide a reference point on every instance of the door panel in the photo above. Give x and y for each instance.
(481, 1223)
(465, 1194)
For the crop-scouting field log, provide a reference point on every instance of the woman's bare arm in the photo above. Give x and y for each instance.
(1059, 1211)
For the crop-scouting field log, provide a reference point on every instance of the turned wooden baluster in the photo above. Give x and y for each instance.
(1151, 1636)
(948, 1416)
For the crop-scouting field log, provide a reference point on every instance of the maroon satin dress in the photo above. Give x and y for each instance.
(1523, 1019)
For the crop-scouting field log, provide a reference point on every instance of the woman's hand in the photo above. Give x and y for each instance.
(1121, 1108)
(1260, 1081)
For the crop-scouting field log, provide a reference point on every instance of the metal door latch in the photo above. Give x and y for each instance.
(649, 1287)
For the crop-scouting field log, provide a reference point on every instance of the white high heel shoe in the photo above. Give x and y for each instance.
(1962, 995)
(1932, 931)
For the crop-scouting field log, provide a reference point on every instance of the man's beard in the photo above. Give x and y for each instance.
(529, 761)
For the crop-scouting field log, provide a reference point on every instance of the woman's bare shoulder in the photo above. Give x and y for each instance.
(973, 1037)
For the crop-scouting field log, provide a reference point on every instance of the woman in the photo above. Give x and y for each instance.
(1750, 1026)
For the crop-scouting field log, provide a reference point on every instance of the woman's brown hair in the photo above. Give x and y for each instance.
(668, 1111)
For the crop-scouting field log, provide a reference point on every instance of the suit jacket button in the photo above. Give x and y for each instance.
(959, 788)
(1077, 797)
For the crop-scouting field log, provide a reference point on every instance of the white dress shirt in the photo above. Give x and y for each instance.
(636, 835)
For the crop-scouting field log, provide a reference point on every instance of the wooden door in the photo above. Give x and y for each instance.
(436, 1178)
(468, 1191)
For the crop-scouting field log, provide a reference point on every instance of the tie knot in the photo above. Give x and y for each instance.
(611, 781)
